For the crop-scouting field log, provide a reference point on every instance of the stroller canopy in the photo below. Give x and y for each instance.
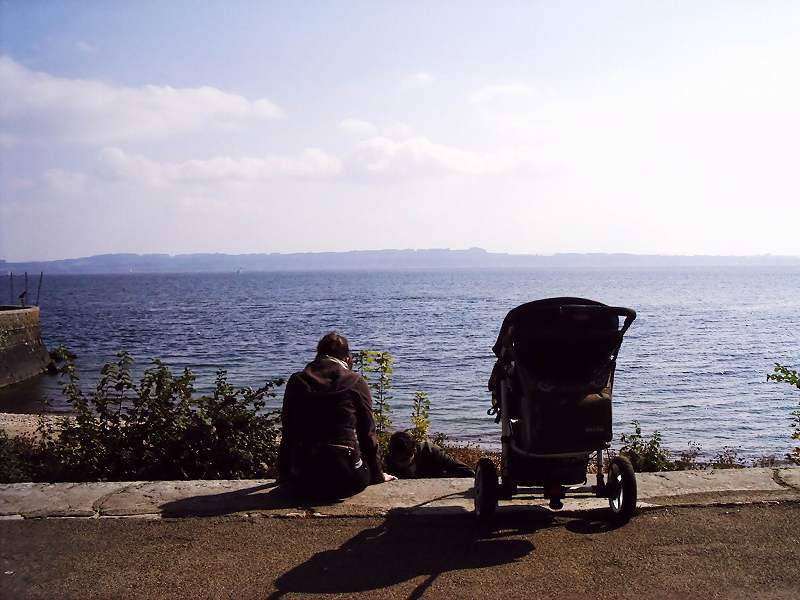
(562, 339)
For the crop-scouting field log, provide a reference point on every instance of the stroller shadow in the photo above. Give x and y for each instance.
(433, 542)
(403, 548)
(261, 497)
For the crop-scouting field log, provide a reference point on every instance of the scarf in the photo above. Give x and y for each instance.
(338, 361)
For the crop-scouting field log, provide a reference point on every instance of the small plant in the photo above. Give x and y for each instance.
(727, 458)
(768, 460)
(790, 376)
(440, 439)
(376, 367)
(420, 411)
(689, 458)
(15, 458)
(645, 455)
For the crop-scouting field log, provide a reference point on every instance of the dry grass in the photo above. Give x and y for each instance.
(470, 454)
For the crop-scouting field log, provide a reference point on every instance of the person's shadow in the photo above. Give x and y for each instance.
(431, 541)
(403, 548)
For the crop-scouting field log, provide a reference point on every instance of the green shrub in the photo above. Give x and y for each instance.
(156, 429)
(645, 455)
(15, 458)
(420, 411)
(376, 367)
(790, 376)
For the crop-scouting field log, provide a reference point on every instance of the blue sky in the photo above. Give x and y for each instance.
(658, 127)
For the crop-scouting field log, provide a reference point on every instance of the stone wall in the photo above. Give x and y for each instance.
(22, 353)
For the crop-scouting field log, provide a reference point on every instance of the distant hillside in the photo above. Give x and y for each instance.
(473, 258)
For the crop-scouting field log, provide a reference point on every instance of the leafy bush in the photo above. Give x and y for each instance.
(645, 455)
(790, 376)
(373, 362)
(15, 458)
(156, 429)
(420, 411)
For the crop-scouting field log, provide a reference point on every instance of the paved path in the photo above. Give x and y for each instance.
(415, 497)
(700, 534)
(738, 552)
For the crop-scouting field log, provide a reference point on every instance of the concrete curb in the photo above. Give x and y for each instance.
(421, 497)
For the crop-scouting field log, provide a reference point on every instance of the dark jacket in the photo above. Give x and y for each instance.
(326, 403)
(430, 461)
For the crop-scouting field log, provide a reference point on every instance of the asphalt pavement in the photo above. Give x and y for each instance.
(720, 551)
(698, 534)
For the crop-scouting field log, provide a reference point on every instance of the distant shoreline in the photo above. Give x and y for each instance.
(376, 260)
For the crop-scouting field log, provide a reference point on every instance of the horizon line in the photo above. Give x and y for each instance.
(473, 249)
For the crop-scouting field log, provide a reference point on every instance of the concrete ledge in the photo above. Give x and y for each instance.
(674, 483)
(32, 500)
(22, 353)
(172, 499)
(789, 477)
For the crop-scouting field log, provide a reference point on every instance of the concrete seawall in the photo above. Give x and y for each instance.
(22, 353)
(409, 497)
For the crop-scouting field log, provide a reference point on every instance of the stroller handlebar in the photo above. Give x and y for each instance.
(620, 311)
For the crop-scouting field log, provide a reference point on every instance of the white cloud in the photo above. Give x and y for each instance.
(357, 127)
(38, 106)
(421, 156)
(417, 80)
(116, 164)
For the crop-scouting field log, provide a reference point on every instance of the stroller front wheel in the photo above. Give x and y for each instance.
(486, 489)
(621, 488)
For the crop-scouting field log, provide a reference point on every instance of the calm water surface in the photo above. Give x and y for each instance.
(693, 365)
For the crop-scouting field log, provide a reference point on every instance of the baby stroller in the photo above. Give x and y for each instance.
(551, 392)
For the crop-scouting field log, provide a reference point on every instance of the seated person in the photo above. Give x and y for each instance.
(329, 447)
(411, 459)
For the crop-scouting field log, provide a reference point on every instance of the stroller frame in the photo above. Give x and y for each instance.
(552, 473)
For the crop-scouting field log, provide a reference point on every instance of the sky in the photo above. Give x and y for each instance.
(522, 127)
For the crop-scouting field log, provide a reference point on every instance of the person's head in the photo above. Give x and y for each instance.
(402, 449)
(335, 345)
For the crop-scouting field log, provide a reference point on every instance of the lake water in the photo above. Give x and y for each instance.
(693, 365)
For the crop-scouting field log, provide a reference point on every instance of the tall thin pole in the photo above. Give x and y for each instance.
(39, 289)
(25, 293)
(11, 288)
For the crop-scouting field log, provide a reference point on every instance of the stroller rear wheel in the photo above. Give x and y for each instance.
(621, 488)
(486, 489)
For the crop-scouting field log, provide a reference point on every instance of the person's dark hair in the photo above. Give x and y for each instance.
(334, 344)
(401, 445)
